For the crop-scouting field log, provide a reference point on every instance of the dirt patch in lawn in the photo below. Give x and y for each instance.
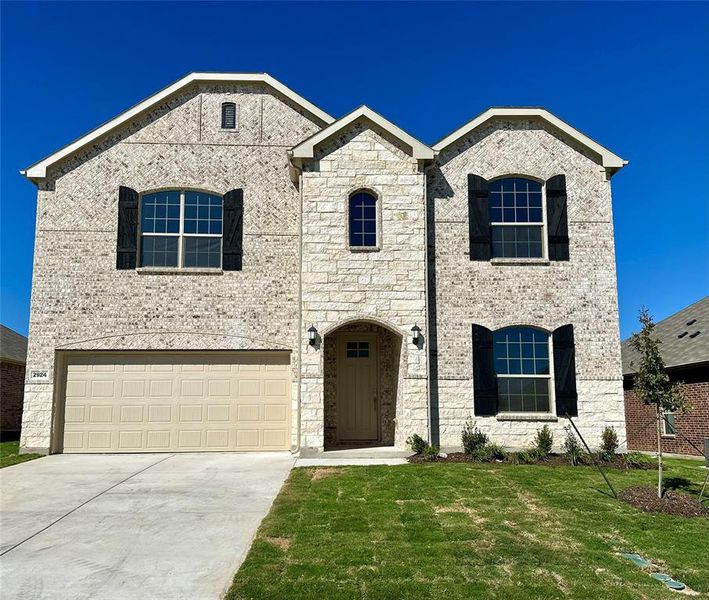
(282, 542)
(322, 473)
(459, 508)
(672, 503)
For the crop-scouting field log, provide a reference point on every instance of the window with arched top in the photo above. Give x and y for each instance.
(228, 115)
(516, 218)
(363, 220)
(522, 363)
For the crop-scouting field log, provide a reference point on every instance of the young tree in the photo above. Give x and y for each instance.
(652, 384)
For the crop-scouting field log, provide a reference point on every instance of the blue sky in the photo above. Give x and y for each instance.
(634, 76)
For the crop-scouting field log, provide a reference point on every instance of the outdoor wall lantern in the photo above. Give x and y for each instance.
(312, 335)
(416, 335)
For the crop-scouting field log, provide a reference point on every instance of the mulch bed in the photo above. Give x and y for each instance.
(672, 503)
(553, 460)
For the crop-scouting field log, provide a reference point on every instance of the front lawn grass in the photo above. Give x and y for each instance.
(9, 454)
(455, 531)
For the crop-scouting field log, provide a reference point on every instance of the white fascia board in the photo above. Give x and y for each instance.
(306, 149)
(39, 169)
(609, 159)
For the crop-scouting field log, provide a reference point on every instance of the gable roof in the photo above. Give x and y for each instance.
(608, 159)
(684, 336)
(13, 346)
(39, 169)
(306, 149)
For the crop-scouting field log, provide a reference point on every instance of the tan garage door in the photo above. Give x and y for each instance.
(177, 402)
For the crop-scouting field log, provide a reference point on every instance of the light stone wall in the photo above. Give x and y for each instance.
(386, 286)
(81, 302)
(581, 291)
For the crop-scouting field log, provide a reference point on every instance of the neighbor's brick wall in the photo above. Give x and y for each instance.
(386, 286)
(581, 291)
(80, 301)
(693, 424)
(12, 384)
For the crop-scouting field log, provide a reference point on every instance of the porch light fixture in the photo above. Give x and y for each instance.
(415, 335)
(312, 335)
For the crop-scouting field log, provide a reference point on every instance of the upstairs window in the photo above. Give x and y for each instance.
(181, 228)
(228, 115)
(516, 218)
(363, 220)
(522, 365)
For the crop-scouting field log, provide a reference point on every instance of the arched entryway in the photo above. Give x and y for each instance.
(361, 385)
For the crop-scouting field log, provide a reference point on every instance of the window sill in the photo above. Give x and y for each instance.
(668, 436)
(520, 261)
(363, 248)
(177, 271)
(527, 417)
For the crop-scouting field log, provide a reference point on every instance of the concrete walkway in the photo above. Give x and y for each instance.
(147, 526)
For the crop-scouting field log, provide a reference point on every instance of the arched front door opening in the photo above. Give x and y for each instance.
(361, 379)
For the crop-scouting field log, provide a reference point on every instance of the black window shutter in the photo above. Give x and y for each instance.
(478, 218)
(557, 219)
(233, 230)
(565, 371)
(127, 239)
(484, 377)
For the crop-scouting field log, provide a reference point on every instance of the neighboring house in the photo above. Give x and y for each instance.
(684, 338)
(13, 354)
(227, 267)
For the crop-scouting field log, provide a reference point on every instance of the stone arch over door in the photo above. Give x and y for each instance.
(384, 347)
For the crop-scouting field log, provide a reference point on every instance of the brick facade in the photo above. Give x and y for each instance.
(581, 291)
(12, 380)
(692, 425)
(298, 269)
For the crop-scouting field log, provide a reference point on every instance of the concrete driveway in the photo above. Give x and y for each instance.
(132, 526)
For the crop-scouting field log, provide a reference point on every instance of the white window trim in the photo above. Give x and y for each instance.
(549, 378)
(181, 235)
(663, 431)
(545, 234)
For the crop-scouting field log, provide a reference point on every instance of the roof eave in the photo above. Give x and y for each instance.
(38, 170)
(609, 160)
(306, 149)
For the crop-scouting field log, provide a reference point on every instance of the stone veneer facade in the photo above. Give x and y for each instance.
(298, 269)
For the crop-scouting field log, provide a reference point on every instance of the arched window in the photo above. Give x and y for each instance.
(228, 115)
(516, 218)
(522, 364)
(363, 220)
(181, 228)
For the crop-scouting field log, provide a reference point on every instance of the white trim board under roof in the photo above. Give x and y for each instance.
(39, 169)
(306, 149)
(609, 160)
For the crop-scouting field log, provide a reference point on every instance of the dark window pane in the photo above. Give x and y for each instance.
(362, 219)
(228, 115)
(203, 252)
(156, 251)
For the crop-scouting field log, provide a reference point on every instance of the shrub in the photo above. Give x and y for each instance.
(488, 453)
(417, 444)
(528, 457)
(544, 441)
(472, 438)
(609, 444)
(430, 452)
(572, 447)
(636, 460)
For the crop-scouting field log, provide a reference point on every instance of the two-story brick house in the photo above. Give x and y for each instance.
(225, 266)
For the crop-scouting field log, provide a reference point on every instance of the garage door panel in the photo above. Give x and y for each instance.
(134, 402)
